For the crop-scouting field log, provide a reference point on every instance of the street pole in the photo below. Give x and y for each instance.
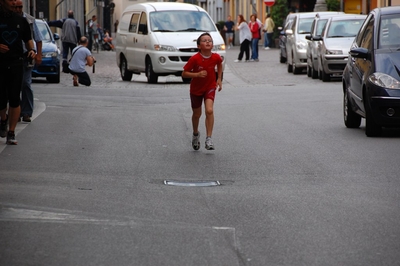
(320, 5)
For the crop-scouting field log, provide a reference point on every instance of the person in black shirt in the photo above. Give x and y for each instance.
(14, 31)
(229, 29)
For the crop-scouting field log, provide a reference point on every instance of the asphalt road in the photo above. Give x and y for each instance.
(293, 186)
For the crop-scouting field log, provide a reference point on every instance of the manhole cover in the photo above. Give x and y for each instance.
(191, 183)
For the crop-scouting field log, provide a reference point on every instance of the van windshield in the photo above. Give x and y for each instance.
(180, 20)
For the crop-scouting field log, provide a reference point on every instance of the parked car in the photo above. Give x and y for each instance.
(336, 39)
(371, 79)
(282, 37)
(50, 66)
(296, 43)
(317, 26)
(159, 38)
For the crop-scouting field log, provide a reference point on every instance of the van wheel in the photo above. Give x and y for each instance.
(126, 75)
(151, 76)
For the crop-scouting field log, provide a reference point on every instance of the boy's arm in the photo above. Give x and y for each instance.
(219, 80)
(188, 74)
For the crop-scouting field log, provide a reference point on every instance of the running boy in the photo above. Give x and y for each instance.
(201, 69)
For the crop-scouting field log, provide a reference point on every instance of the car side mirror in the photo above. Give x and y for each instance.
(308, 37)
(56, 36)
(289, 32)
(359, 53)
(317, 38)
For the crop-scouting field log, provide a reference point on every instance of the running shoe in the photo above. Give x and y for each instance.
(3, 128)
(11, 138)
(209, 144)
(196, 141)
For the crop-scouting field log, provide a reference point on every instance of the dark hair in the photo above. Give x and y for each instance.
(203, 34)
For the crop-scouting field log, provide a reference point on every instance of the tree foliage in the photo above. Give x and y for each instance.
(333, 5)
(279, 11)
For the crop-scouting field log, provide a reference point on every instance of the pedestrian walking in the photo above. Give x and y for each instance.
(268, 30)
(244, 38)
(92, 31)
(228, 27)
(27, 99)
(70, 35)
(81, 56)
(116, 26)
(14, 33)
(201, 69)
(255, 31)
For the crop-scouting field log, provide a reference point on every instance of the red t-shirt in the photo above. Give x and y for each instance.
(198, 63)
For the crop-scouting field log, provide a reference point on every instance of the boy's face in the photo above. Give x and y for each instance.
(206, 43)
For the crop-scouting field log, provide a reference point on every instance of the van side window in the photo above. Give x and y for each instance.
(125, 22)
(143, 24)
(134, 23)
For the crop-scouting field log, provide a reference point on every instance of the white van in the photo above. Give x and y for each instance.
(159, 38)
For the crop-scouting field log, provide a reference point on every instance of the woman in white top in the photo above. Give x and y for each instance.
(244, 38)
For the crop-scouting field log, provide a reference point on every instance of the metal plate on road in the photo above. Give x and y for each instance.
(191, 183)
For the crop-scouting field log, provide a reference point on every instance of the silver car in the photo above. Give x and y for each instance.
(337, 37)
(312, 46)
(296, 43)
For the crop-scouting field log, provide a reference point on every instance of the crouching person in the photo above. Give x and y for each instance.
(81, 56)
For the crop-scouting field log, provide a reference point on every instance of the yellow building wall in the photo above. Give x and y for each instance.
(353, 6)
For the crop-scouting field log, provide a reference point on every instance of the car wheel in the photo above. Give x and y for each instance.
(314, 73)
(296, 70)
(126, 75)
(151, 76)
(371, 128)
(54, 79)
(351, 119)
(289, 68)
(282, 59)
(325, 77)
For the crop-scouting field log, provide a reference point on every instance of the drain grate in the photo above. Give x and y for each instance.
(191, 183)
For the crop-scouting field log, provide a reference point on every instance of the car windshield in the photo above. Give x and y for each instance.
(180, 20)
(305, 25)
(45, 31)
(344, 28)
(389, 32)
